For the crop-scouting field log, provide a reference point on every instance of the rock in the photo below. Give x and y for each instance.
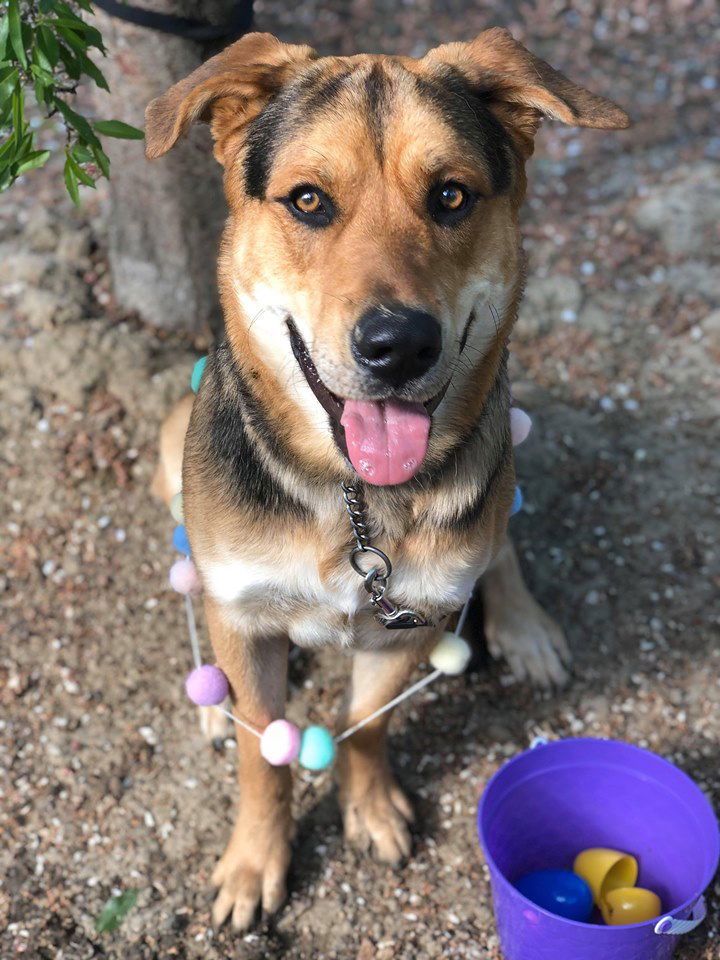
(146, 394)
(40, 234)
(695, 277)
(548, 302)
(684, 213)
(602, 313)
(21, 267)
(38, 306)
(65, 360)
(711, 329)
(73, 246)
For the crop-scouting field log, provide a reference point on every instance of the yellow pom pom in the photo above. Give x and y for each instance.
(176, 508)
(451, 655)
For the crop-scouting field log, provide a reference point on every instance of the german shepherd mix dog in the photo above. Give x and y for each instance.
(370, 274)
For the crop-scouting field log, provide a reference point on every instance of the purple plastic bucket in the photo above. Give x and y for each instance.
(546, 805)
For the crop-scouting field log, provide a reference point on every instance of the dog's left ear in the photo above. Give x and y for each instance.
(227, 91)
(521, 88)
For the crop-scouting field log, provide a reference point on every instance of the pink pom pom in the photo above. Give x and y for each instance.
(184, 577)
(207, 685)
(520, 424)
(280, 743)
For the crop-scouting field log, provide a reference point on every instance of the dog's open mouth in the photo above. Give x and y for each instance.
(385, 440)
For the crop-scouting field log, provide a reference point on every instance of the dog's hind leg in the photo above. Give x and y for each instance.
(168, 474)
(375, 810)
(516, 626)
(251, 872)
(167, 481)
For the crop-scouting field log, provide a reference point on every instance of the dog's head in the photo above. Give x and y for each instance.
(370, 265)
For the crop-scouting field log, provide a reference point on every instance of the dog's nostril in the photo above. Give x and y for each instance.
(397, 344)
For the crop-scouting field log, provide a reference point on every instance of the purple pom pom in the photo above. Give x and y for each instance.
(207, 685)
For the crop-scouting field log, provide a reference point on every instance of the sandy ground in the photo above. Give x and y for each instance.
(110, 785)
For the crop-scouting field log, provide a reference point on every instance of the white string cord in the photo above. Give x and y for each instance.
(192, 630)
(406, 694)
(388, 706)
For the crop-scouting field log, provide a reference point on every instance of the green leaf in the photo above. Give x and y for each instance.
(102, 160)
(48, 44)
(71, 182)
(4, 30)
(72, 67)
(40, 59)
(8, 81)
(15, 31)
(82, 154)
(81, 174)
(32, 161)
(76, 122)
(18, 111)
(88, 67)
(116, 128)
(115, 911)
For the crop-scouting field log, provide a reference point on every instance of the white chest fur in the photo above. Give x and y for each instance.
(285, 592)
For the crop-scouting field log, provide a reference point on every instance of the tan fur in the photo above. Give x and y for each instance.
(273, 574)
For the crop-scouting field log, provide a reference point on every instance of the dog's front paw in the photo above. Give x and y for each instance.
(379, 818)
(531, 642)
(251, 873)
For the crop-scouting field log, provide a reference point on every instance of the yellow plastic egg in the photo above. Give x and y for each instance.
(604, 870)
(626, 905)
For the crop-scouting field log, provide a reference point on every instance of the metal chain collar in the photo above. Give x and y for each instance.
(377, 578)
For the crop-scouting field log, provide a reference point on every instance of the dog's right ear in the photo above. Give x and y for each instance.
(227, 91)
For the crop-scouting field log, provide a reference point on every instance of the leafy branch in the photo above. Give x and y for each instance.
(45, 48)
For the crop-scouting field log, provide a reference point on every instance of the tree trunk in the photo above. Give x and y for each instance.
(165, 216)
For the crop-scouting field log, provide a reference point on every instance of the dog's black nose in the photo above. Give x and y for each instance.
(397, 344)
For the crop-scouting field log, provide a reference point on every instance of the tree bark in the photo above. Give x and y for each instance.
(165, 216)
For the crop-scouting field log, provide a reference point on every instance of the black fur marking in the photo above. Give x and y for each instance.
(474, 510)
(376, 92)
(267, 131)
(465, 109)
(324, 94)
(231, 444)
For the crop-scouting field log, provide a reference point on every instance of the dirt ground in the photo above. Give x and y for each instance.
(110, 785)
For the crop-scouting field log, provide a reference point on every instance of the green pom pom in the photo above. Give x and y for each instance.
(197, 373)
(317, 749)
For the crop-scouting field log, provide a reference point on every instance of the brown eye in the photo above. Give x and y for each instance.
(449, 203)
(452, 196)
(310, 205)
(307, 202)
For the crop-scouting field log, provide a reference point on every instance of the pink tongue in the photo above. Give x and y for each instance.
(386, 439)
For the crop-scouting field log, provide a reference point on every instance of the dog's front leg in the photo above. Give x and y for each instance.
(375, 810)
(516, 626)
(252, 870)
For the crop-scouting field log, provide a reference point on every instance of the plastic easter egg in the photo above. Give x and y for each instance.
(180, 539)
(196, 375)
(605, 869)
(317, 748)
(280, 743)
(451, 655)
(207, 685)
(517, 502)
(560, 892)
(625, 905)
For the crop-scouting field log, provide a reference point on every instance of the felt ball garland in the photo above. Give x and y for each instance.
(281, 742)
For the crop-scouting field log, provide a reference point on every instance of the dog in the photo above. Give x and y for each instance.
(370, 272)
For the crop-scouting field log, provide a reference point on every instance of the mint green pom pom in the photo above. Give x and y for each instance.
(197, 373)
(317, 749)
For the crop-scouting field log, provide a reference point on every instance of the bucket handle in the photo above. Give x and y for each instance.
(668, 924)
